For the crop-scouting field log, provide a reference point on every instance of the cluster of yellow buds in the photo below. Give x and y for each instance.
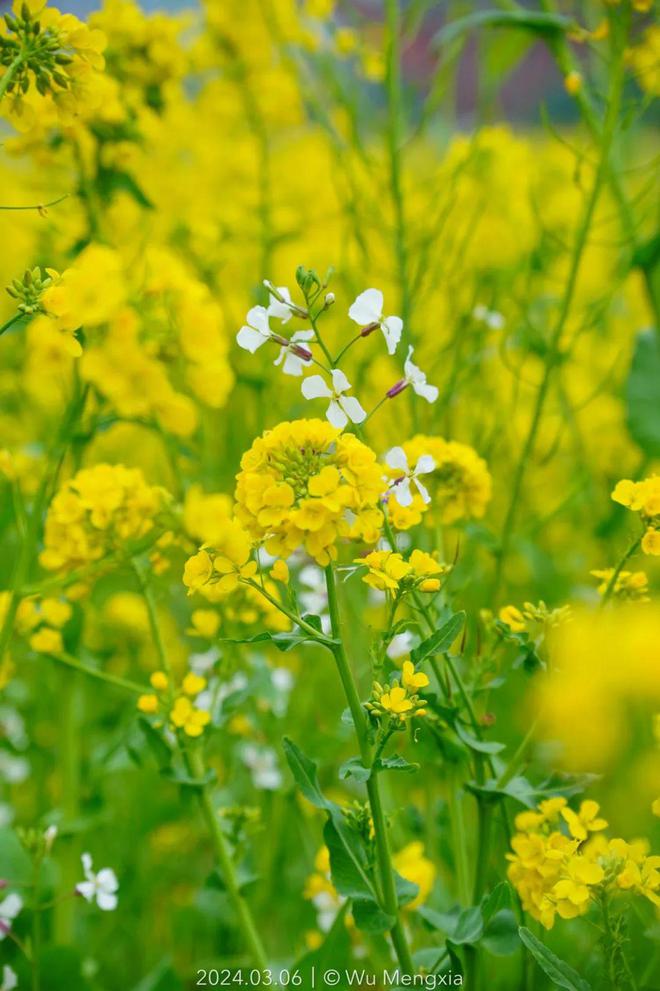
(534, 619)
(399, 700)
(390, 572)
(41, 620)
(179, 707)
(643, 498)
(29, 290)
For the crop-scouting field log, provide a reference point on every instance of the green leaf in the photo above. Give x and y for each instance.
(501, 935)
(370, 917)
(643, 392)
(461, 925)
(406, 891)
(441, 640)
(498, 899)
(481, 746)
(395, 763)
(180, 777)
(15, 864)
(157, 744)
(354, 768)
(348, 862)
(558, 971)
(538, 23)
(333, 951)
(305, 774)
(283, 641)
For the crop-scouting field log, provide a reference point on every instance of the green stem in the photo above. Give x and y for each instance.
(36, 926)
(110, 679)
(195, 763)
(10, 323)
(552, 360)
(611, 585)
(383, 852)
(11, 71)
(70, 770)
(152, 612)
(458, 837)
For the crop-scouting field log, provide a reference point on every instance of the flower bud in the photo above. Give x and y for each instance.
(397, 388)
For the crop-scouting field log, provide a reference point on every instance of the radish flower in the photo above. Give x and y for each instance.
(396, 459)
(100, 888)
(342, 408)
(256, 330)
(367, 311)
(294, 356)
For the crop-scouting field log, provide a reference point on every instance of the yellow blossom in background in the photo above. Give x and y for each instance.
(412, 864)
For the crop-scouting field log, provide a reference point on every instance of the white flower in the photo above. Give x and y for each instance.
(417, 379)
(400, 645)
(50, 835)
(293, 355)
(262, 762)
(275, 307)
(367, 310)
(9, 909)
(342, 408)
(256, 330)
(396, 458)
(491, 318)
(101, 888)
(9, 979)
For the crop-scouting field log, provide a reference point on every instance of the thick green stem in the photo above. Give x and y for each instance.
(553, 354)
(246, 924)
(383, 852)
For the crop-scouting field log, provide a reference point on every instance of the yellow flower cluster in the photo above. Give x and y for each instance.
(412, 864)
(216, 571)
(41, 620)
(629, 586)
(389, 572)
(304, 484)
(558, 865)
(96, 513)
(643, 498)
(52, 64)
(180, 707)
(399, 700)
(460, 485)
(534, 619)
(130, 352)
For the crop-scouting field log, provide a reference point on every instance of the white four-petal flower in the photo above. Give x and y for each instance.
(9, 909)
(293, 354)
(341, 408)
(396, 458)
(278, 309)
(256, 330)
(101, 888)
(368, 309)
(417, 379)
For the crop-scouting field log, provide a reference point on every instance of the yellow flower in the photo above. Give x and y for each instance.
(205, 623)
(55, 611)
(197, 571)
(148, 704)
(651, 542)
(413, 679)
(280, 572)
(579, 875)
(586, 821)
(413, 865)
(47, 641)
(217, 571)
(184, 715)
(643, 498)
(386, 569)
(396, 701)
(513, 617)
(629, 586)
(193, 684)
(303, 484)
(159, 681)
(573, 83)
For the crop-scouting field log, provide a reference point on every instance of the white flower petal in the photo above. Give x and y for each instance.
(277, 309)
(293, 363)
(425, 464)
(396, 458)
(352, 408)
(339, 381)
(428, 392)
(336, 415)
(107, 879)
(367, 308)
(107, 901)
(303, 335)
(11, 906)
(392, 328)
(250, 339)
(315, 387)
(87, 889)
(86, 859)
(402, 492)
(423, 491)
(9, 979)
(258, 318)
